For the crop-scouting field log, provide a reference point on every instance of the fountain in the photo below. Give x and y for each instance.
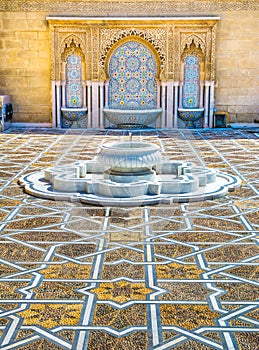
(192, 117)
(74, 114)
(131, 118)
(74, 117)
(190, 111)
(129, 173)
(132, 90)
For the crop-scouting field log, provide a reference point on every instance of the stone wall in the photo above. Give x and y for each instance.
(25, 49)
(237, 65)
(25, 65)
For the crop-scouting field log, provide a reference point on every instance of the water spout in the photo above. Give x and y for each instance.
(130, 138)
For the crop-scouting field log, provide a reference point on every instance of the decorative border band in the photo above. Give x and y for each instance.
(147, 8)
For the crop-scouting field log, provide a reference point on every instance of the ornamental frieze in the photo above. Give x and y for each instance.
(168, 39)
(126, 8)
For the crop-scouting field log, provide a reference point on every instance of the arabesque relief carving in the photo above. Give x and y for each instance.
(168, 40)
(196, 39)
(157, 37)
(128, 8)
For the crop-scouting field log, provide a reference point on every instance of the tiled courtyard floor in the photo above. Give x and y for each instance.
(181, 276)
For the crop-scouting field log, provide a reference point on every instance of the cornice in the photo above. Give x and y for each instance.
(131, 8)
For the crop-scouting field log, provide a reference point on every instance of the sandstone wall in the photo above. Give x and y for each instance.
(25, 65)
(25, 50)
(237, 65)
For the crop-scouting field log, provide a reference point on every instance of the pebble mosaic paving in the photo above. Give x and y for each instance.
(180, 276)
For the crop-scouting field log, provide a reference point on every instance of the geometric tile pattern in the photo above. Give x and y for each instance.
(191, 83)
(179, 276)
(74, 93)
(132, 71)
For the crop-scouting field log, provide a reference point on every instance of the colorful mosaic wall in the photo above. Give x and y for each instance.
(74, 81)
(132, 71)
(191, 85)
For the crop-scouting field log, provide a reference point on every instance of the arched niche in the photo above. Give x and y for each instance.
(194, 48)
(133, 68)
(191, 82)
(135, 38)
(74, 91)
(72, 45)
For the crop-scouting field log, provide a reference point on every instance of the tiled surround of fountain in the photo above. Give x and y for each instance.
(191, 114)
(132, 86)
(73, 112)
(133, 72)
(132, 68)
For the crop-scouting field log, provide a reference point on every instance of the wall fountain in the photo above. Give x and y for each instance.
(129, 173)
(73, 112)
(191, 111)
(132, 96)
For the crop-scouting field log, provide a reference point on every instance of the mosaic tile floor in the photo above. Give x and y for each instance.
(183, 276)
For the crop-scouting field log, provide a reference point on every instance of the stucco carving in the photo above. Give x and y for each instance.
(155, 38)
(62, 37)
(196, 39)
(192, 50)
(127, 8)
(199, 40)
(168, 40)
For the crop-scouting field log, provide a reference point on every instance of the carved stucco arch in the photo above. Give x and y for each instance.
(195, 39)
(195, 44)
(110, 49)
(72, 44)
(193, 50)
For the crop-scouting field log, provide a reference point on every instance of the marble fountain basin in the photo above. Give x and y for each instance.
(129, 174)
(73, 113)
(132, 116)
(190, 113)
(129, 161)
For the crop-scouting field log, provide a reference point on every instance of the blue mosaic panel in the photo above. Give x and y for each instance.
(132, 71)
(74, 81)
(191, 84)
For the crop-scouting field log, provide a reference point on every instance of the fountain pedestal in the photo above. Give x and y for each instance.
(128, 162)
(129, 174)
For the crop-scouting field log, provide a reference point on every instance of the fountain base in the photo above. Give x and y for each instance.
(128, 177)
(73, 184)
(129, 174)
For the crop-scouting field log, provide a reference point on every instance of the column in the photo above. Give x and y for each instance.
(163, 104)
(89, 103)
(206, 104)
(84, 94)
(58, 84)
(158, 93)
(53, 89)
(170, 99)
(63, 84)
(201, 93)
(176, 93)
(101, 85)
(106, 102)
(181, 95)
(211, 109)
(95, 104)
(158, 102)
